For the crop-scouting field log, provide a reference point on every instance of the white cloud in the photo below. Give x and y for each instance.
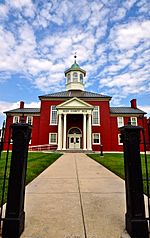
(25, 6)
(129, 35)
(112, 47)
(3, 11)
(145, 108)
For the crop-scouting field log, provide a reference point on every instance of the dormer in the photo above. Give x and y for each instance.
(74, 77)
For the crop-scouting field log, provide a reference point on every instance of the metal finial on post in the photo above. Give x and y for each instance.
(129, 121)
(22, 120)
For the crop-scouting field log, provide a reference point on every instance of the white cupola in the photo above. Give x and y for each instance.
(74, 77)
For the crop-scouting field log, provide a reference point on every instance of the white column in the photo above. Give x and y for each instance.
(64, 132)
(84, 131)
(59, 132)
(89, 133)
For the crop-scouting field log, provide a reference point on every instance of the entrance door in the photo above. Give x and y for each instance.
(74, 141)
(74, 138)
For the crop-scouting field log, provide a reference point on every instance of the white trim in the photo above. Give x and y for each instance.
(98, 138)
(84, 105)
(31, 120)
(14, 121)
(64, 132)
(51, 116)
(52, 143)
(98, 124)
(75, 128)
(120, 123)
(132, 123)
(119, 143)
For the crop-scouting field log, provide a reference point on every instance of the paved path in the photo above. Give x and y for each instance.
(75, 198)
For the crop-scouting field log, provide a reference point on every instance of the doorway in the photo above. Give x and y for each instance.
(74, 138)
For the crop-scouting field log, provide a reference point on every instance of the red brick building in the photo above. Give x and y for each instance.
(76, 119)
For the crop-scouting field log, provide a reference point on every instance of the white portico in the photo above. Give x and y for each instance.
(74, 137)
(74, 115)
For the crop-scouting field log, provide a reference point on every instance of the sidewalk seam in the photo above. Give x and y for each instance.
(80, 199)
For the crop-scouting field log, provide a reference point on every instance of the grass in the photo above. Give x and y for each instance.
(115, 163)
(37, 162)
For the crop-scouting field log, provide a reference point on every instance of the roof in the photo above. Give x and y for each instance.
(25, 110)
(125, 110)
(75, 67)
(75, 93)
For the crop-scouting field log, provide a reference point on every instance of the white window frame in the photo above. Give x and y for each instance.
(81, 78)
(120, 121)
(69, 78)
(99, 137)
(75, 78)
(119, 140)
(27, 120)
(52, 143)
(133, 123)
(14, 119)
(98, 111)
(51, 123)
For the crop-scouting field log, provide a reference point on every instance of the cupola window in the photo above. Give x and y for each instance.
(69, 78)
(75, 77)
(81, 78)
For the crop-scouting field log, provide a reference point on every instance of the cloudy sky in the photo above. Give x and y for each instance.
(38, 40)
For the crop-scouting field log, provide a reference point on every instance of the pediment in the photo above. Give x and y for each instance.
(75, 103)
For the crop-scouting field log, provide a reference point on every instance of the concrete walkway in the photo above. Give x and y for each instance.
(75, 198)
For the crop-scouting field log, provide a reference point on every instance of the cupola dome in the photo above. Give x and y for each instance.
(74, 77)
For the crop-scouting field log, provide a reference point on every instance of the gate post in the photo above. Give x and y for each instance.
(13, 224)
(136, 223)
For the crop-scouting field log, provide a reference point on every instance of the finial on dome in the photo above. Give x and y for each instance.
(75, 56)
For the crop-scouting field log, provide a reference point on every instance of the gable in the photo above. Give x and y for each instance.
(75, 103)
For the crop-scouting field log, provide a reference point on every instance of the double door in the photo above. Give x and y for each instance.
(74, 141)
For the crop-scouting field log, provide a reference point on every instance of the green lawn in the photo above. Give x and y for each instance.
(37, 162)
(115, 163)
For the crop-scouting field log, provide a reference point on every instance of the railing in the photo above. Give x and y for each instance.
(46, 147)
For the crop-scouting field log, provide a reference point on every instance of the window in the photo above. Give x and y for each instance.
(134, 121)
(29, 120)
(75, 77)
(53, 138)
(95, 116)
(16, 119)
(119, 140)
(53, 115)
(96, 138)
(120, 121)
(69, 78)
(81, 78)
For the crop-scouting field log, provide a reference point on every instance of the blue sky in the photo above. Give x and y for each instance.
(38, 40)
